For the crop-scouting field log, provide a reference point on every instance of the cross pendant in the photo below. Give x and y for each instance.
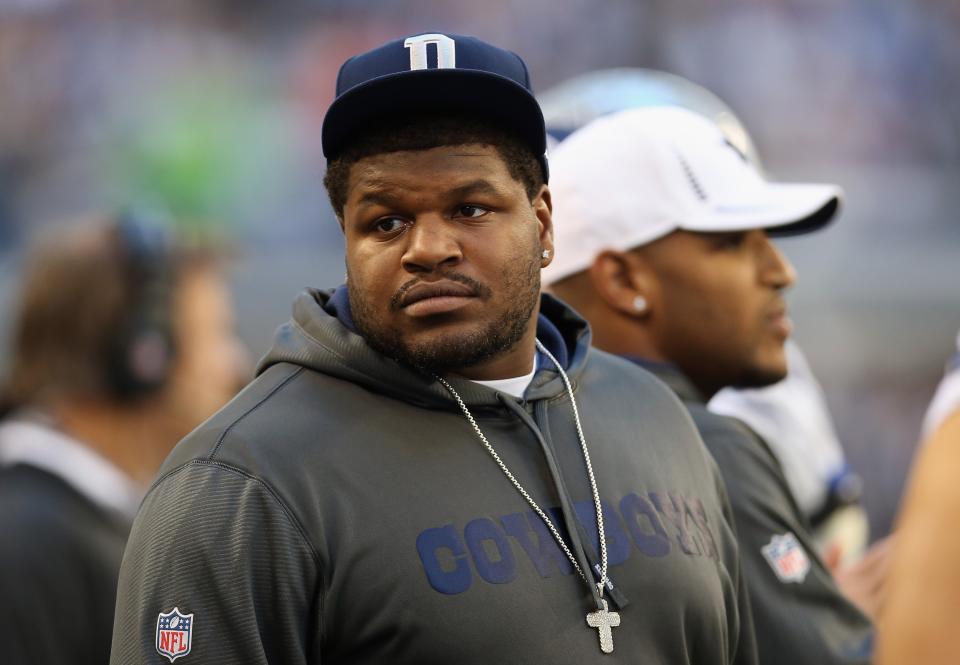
(603, 621)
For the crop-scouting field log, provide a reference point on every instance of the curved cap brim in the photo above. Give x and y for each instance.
(784, 210)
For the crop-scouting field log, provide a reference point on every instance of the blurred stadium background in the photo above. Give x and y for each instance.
(211, 110)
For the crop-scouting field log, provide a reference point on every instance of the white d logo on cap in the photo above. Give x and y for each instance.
(446, 51)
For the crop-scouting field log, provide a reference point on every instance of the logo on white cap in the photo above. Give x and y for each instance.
(446, 51)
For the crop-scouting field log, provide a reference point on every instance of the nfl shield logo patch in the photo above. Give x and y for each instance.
(174, 634)
(787, 557)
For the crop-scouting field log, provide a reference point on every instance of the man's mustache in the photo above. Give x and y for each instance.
(481, 290)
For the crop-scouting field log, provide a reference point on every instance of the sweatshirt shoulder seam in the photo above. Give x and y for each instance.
(260, 402)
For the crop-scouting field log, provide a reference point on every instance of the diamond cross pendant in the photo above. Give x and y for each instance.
(603, 621)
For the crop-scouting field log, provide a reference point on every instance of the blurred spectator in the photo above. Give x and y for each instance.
(123, 344)
(923, 602)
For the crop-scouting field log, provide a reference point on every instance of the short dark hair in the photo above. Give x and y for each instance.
(423, 132)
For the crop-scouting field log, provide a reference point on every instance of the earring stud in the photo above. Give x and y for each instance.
(640, 304)
(545, 254)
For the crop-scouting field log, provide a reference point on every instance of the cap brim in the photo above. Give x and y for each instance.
(784, 210)
(430, 91)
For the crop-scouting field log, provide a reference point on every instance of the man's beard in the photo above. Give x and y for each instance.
(456, 351)
(753, 378)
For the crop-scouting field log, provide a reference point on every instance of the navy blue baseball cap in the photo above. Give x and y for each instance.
(434, 73)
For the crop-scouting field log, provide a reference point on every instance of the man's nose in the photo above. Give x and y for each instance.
(776, 269)
(432, 243)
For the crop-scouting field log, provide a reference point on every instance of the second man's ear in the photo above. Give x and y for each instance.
(623, 281)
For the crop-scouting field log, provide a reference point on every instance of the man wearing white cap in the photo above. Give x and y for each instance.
(661, 231)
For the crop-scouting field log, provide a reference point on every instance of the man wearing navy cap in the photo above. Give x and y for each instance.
(432, 465)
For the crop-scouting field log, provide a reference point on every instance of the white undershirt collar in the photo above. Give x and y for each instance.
(514, 386)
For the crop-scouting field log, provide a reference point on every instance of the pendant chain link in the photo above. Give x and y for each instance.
(601, 585)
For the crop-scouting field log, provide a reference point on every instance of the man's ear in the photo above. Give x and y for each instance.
(543, 210)
(625, 282)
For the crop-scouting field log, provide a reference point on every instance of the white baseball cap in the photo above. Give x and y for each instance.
(626, 179)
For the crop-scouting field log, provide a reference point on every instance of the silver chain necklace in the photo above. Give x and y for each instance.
(603, 620)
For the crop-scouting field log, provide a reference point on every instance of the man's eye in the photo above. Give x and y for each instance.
(389, 225)
(471, 212)
(729, 240)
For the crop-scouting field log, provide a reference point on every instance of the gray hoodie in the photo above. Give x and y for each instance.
(342, 510)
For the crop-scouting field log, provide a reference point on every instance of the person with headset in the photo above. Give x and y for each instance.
(123, 343)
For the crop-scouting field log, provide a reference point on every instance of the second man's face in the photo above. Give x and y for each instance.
(723, 319)
(443, 252)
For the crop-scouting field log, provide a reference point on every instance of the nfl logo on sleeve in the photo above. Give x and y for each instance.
(174, 634)
(787, 557)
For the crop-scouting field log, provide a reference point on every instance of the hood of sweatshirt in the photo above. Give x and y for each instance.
(321, 336)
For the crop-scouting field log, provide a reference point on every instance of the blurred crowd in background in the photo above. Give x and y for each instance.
(210, 111)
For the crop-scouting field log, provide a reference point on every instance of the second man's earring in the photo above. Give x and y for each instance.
(640, 304)
(545, 254)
